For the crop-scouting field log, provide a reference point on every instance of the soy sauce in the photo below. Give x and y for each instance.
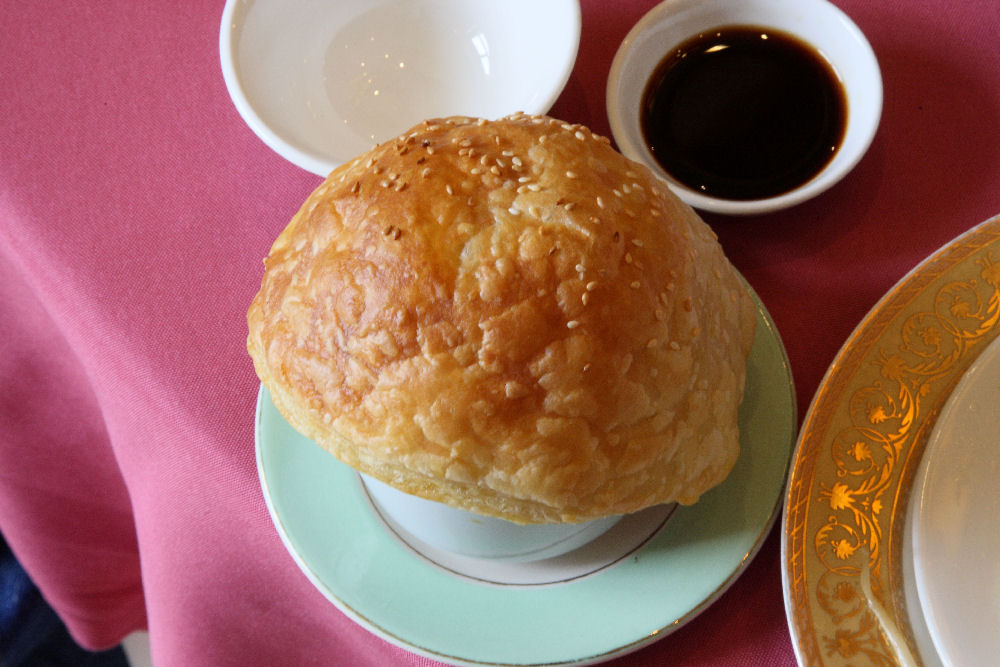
(744, 112)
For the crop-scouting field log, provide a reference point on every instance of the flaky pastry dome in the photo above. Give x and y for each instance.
(509, 317)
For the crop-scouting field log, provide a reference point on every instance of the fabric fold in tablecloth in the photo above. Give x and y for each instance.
(55, 457)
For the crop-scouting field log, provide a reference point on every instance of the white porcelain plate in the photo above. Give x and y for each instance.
(668, 569)
(956, 520)
(871, 499)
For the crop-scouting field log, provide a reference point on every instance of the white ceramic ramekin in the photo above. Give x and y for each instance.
(816, 22)
(467, 534)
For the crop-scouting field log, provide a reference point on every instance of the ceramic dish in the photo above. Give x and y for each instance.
(850, 593)
(816, 22)
(956, 520)
(672, 565)
(320, 82)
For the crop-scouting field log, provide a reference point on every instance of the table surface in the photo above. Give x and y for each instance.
(135, 209)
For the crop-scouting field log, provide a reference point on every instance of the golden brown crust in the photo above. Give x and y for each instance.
(509, 317)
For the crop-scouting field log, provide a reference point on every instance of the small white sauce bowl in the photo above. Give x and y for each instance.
(816, 22)
(321, 82)
(468, 534)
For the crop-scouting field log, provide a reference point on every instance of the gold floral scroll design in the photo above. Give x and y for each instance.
(883, 419)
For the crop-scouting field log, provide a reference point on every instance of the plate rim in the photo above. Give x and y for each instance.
(788, 411)
(813, 440)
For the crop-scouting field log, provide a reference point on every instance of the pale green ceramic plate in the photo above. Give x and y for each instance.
(326, 521)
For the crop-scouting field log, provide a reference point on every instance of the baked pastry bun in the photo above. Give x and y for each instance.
(509, 317)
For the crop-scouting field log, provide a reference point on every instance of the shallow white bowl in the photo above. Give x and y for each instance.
(816, 22)
(467, 534)
(320, 82)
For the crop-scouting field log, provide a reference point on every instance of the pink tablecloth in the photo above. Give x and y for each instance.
(135, 208)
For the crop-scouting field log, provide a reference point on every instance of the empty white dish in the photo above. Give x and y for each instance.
(320, 82)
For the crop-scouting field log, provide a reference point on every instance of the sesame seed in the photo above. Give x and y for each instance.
(507, 153)
(569, 206)
(637, 243)
(600, 204)
(572, 324)
(674, 345)
(475, 171)
(515, 390)
(626, 188)
(580, 268)
(516, 161)
(533, 211)
(585, 298)
(465, 143)
(448, 189)
(571, 174)
(580, 135)
(634, 284)
(534, 187)
(617, 192)
(495, 170)
(355, 187)
(384, 183)
(430, 150)
(400, 186)
(425, 172)
(513, 210)
(591, 286)
(652, 343)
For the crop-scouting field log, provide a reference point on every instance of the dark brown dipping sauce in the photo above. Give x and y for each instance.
(744, 112)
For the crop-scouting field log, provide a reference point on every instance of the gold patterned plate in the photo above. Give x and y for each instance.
(846, 555)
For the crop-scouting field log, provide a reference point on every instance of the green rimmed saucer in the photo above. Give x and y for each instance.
(639, 595)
